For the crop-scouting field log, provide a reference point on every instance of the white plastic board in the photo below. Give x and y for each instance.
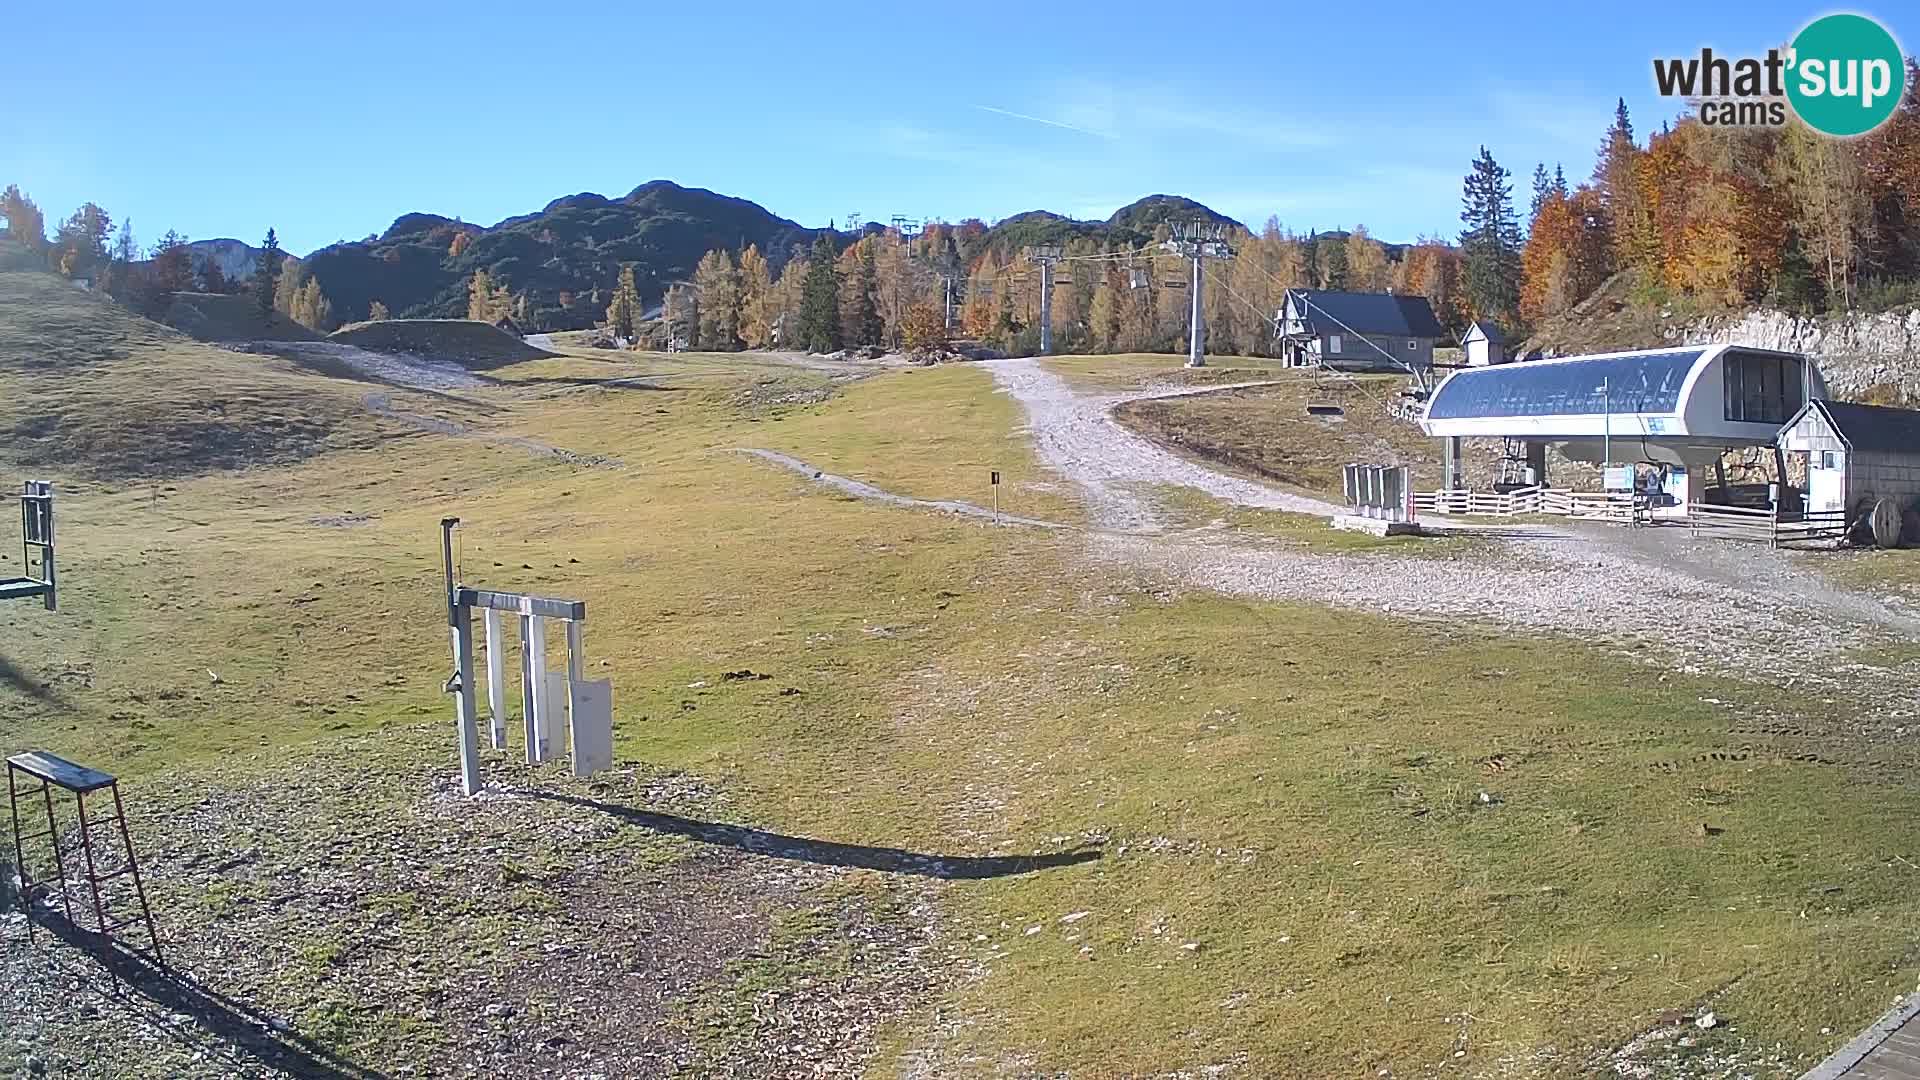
(591, 720)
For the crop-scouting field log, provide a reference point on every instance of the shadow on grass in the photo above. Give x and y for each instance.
(829, 853)
(222, 1026)
(11, 675)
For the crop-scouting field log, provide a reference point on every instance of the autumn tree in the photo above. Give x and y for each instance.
(623, 311)
(819, 329)
(1433, 269)
(923, 330)
(487, 301)
(758, 305)
(1491, 242)
(788, 291)
(680, 316)
(1829, 202)
(25, 223)
(717, 282)
(1367, 268)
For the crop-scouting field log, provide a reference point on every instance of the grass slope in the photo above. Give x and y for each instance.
(474, 344)
(1297, 873)
(220, 317)
(90, 389)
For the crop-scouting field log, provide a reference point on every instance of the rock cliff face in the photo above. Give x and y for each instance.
(1865, 357)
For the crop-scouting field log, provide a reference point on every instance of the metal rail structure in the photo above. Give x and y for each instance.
(53, 771)
(36, 535)
(1383, 492)
(544, 695)
(1199, 241)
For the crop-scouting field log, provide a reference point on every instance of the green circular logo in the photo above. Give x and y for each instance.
(1845, 75)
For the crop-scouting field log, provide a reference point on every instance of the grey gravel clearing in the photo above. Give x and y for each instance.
(1704, 605)
(548, 928)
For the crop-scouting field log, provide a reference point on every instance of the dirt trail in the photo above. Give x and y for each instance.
(860, 489)
(1077, 436)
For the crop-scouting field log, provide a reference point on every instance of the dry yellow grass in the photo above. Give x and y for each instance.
(1292, 791)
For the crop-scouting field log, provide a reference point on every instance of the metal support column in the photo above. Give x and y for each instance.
(1046, 307)
(1197, 331)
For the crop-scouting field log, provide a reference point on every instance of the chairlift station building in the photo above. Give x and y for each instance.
(1678, 408)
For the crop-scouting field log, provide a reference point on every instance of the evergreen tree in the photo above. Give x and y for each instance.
(820, 300)
(377, 312)
(1542, 189)
(266, 274)
(1491, 241)
(860, 317)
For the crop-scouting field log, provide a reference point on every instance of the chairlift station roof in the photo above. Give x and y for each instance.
(1696, 396)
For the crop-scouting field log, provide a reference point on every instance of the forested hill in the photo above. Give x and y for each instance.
(558, 262)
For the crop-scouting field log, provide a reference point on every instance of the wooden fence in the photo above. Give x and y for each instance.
(1768, 526)
(1527, 500)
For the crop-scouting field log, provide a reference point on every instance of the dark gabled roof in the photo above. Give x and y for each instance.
(1368, 313)
(1488, 329)
(1874, 428)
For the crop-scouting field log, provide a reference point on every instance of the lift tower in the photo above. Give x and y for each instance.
(1199, 241)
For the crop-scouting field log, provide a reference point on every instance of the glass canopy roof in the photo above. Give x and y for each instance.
(1639, 383)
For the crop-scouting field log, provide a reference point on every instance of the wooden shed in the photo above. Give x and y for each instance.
(1856, 454)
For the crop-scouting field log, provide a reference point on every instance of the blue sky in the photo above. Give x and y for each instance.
(328, 120)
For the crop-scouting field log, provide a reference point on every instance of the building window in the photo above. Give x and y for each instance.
(1333, 343)
(1761, 389)
(1412, 345)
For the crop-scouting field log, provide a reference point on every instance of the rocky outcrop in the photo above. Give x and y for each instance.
(1864, 357)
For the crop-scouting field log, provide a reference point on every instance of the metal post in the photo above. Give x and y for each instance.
(527, 686)
(93, 872)
(1197, 333)
(19, 854)
(463, 706)
(1046, 307)
(133, 865)
(539, 746)
(496, 680)
(1606, 428)
(59, 859)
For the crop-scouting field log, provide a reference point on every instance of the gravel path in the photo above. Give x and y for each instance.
(412, 372)
(1705, 605)
(1077, 436)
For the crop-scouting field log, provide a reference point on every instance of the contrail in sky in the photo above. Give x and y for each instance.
(1043, 120)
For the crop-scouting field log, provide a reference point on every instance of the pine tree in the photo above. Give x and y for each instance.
(860, 318)
(623, 312)
(377, 312)
(820, 300)
(1542, 188)
(1491, 240)
(266, 274)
